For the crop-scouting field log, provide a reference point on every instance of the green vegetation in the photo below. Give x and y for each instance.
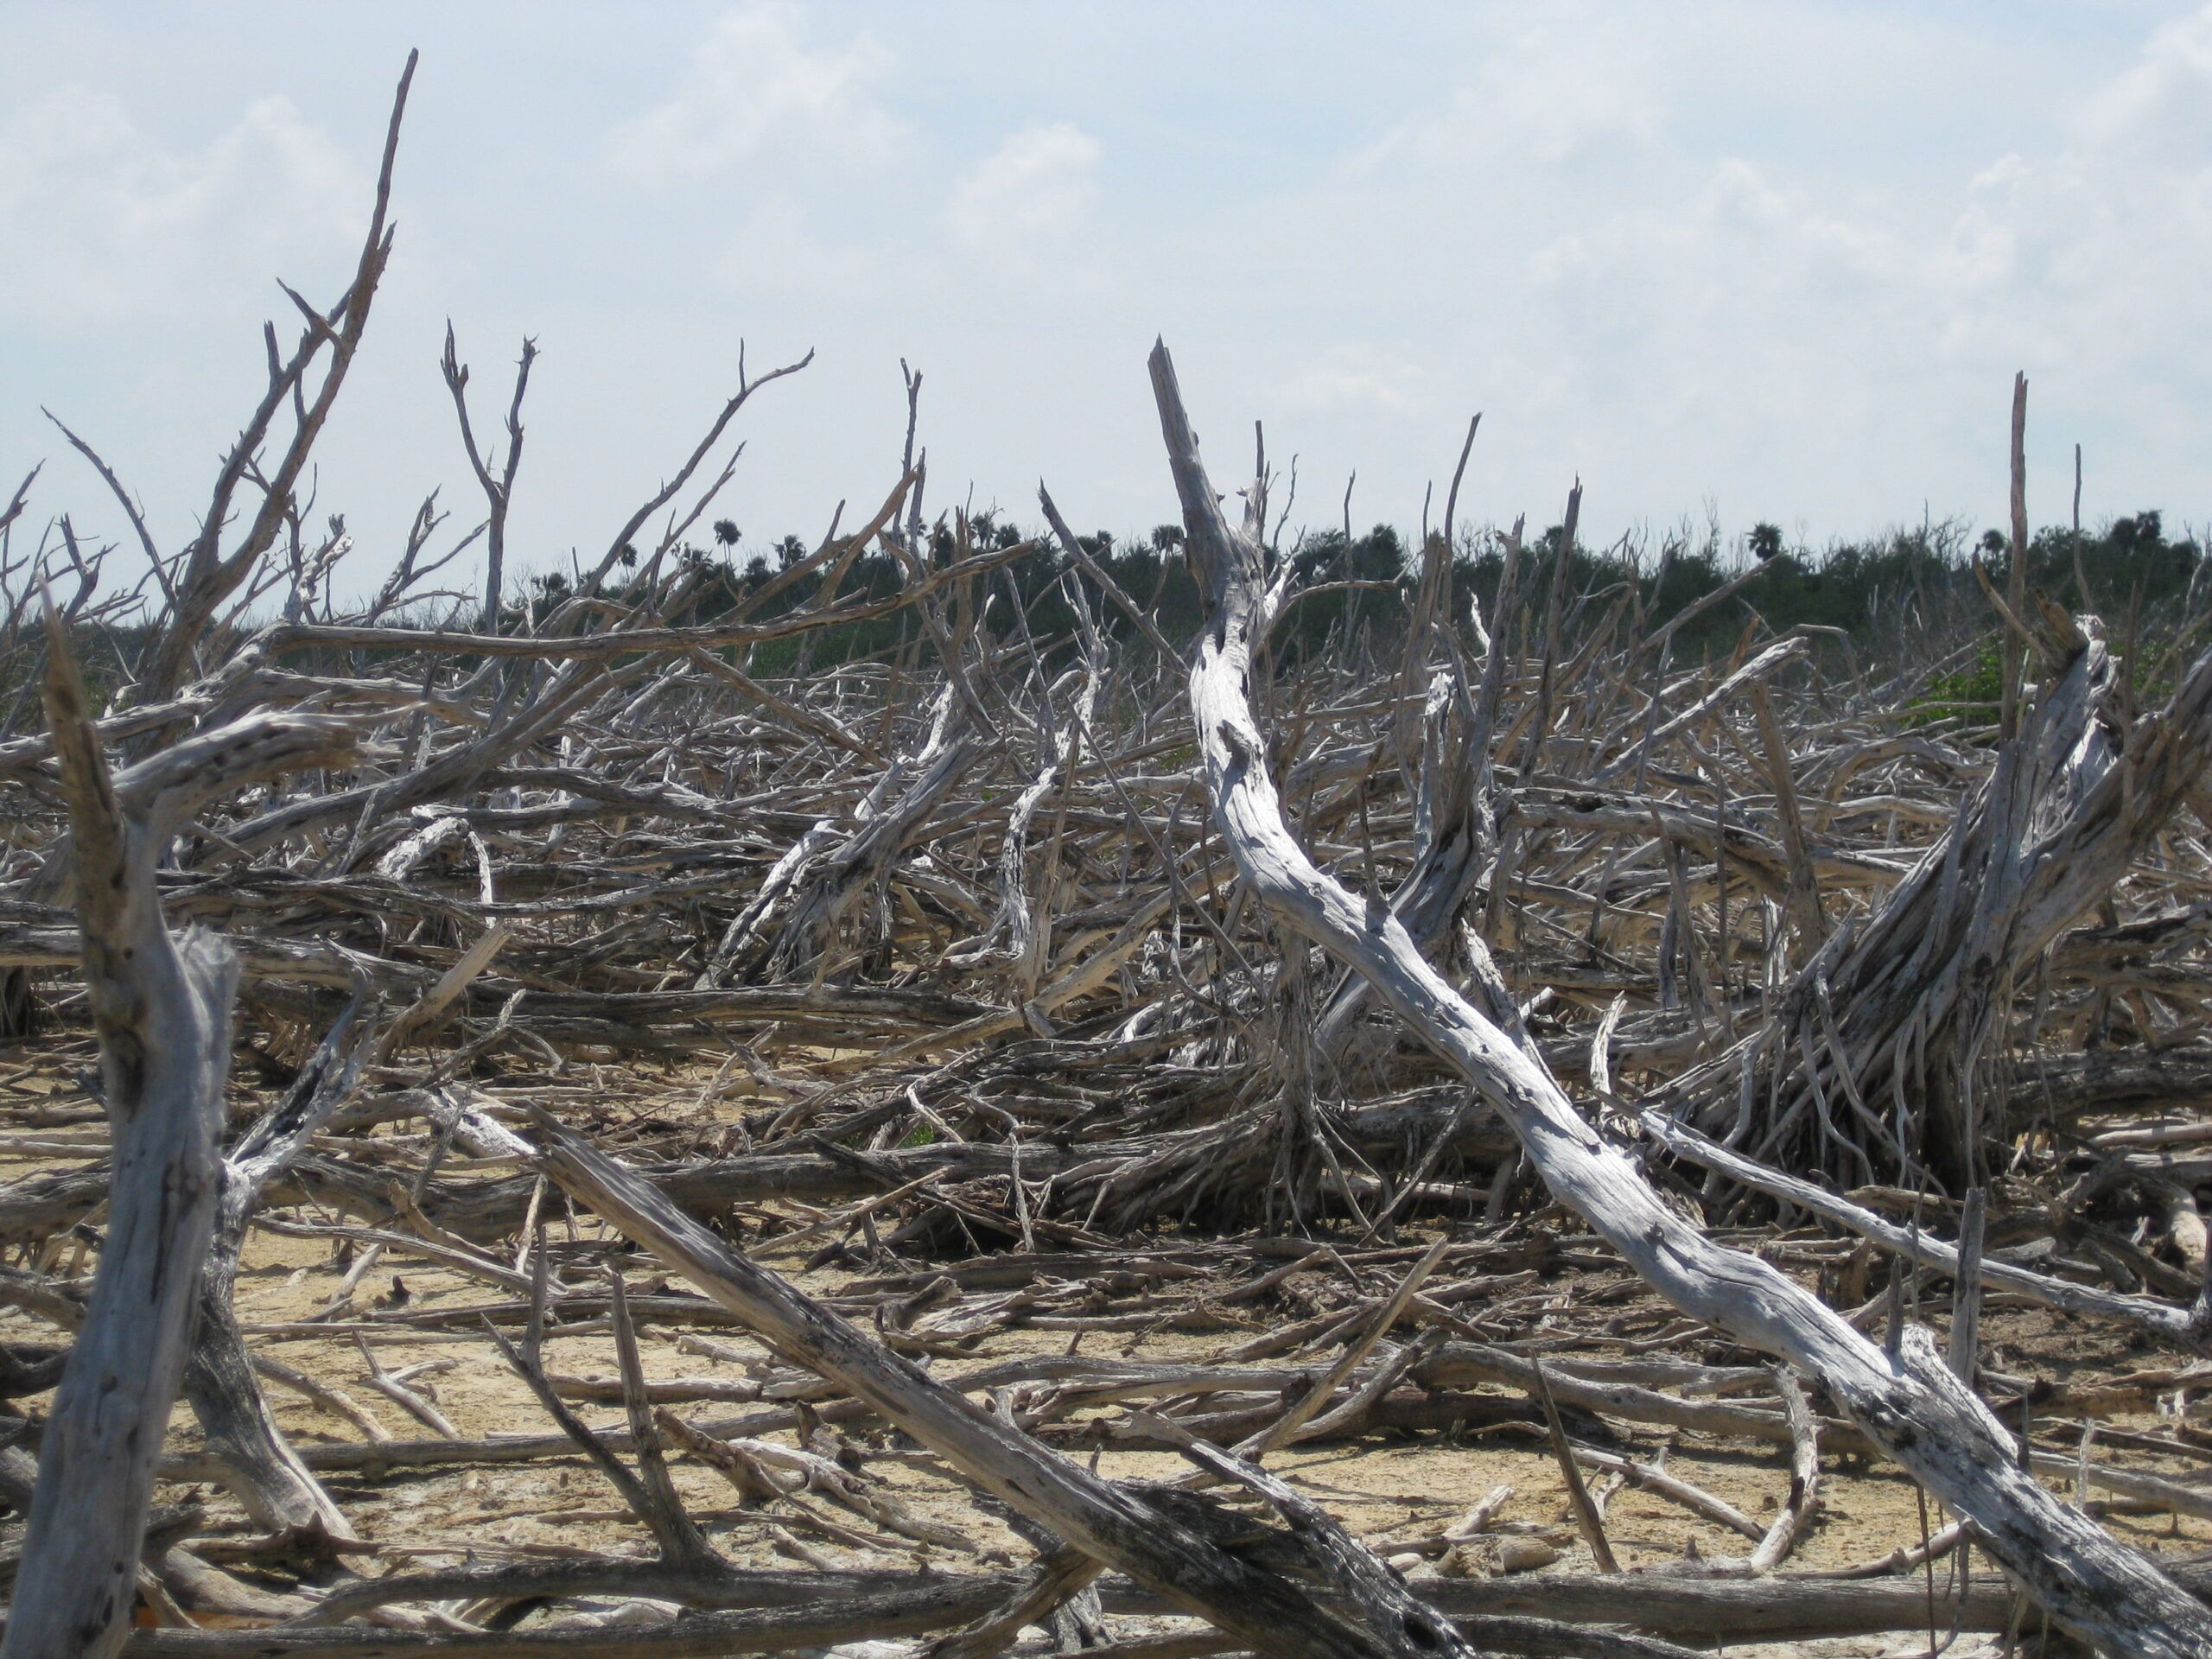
(1908, 599)
(1974, 693)
(1906, 602)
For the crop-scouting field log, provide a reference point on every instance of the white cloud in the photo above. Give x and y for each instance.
(1785, 253)
(1351, 376)
(777, 251)
(753, 86)
(1550, 95)
(1725, 305)
(2092, 255)
(2158, 103)
(1038, 185)
(101, 220)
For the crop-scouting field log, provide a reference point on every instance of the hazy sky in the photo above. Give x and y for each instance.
(1778, 258)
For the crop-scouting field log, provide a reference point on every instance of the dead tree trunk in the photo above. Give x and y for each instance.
(845, 875)
(1157, 1547)
(265, 1474)
(1024, 924)
(1905, 1400)
(161, 1006)
(1890, 1020)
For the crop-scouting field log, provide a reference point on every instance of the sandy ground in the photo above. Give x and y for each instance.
(1394, 1490)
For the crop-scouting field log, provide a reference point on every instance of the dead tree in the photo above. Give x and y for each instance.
(986, 977)
(1905, 1399)
(162, 1005)
(1163, 1547)
(207, 576)
(843, 873)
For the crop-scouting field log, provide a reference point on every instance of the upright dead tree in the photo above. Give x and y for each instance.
(161, 1006)
(499, 493)
(1023, 924)
(205, 576)
(1875, 1054)
(1883, 1028)
(1904, 1398)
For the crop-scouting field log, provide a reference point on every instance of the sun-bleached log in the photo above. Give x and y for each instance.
(1125, 1528)
(1905, 1400)
(261, 1468)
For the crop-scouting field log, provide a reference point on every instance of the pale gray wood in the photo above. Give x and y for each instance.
(1107, 1520)
(1907, 1402)
(261, 1468)
(162, 1006)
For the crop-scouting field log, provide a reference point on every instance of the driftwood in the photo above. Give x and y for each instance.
(1473, 1000)
(1158, 1548)
(275, 1488)
(1905, 1400)
(162, 1007)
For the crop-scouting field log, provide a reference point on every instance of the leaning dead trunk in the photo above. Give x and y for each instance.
(1902, 1010)
(161, 1006)
(1905, 1399)
(859, 866)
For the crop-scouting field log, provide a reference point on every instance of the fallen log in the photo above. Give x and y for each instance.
(1114, 1525)
(1905, 1398)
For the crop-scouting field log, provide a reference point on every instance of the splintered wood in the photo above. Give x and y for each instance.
(714, 1112)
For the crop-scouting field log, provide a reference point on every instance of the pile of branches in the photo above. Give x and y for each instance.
(1057, 957)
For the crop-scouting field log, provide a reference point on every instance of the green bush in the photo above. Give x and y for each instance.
(1974, 693)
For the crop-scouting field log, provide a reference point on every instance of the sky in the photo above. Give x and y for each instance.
(1773, 261)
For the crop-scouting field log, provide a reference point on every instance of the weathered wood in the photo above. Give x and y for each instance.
(2167, 1320)
(1907, 1402)
(1849, 933)
(1778, 1608)
(1103, 1519)
(263, 1470)
(161, 1006)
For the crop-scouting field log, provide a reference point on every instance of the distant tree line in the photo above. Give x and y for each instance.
(1905, 604)
(1903, 599)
